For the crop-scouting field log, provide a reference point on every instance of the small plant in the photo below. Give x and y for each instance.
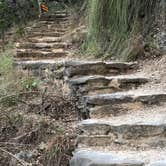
(20, 31)
(30, 84)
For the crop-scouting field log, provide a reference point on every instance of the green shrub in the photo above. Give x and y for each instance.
(16, 14)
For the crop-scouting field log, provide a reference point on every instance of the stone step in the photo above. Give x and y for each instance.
(62, 31)
(49, 28)
(46, 29)
(122, 102)
(42, 68)
(45, 39)
(131, 96)
(56, 24)
(137, 131)
(48, 34)
(30, 53)
(60, 12)
(90, 157)
(29, 45)
(57, 12)
(90, 85)
(53, 23)
(39, 64)
(52, 26)
(54, 16)
(84, 68)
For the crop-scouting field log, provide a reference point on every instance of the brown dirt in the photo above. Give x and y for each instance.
(155, 69)
(39, 130)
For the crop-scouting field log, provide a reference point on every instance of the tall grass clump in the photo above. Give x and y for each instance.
(7, 75)
(13, 82)
(113, 25)
(10, 78)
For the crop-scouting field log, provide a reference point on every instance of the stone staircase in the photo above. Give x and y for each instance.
(121, 124)
(44, 49)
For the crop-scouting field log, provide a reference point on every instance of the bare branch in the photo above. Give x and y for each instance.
(12, 155)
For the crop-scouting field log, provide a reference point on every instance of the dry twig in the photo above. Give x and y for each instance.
(12, 155)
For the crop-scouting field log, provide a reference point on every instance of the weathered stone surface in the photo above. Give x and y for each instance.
(32, 53)
(42, 68)
(54, 17)
(53, 22)
(85, 158)
(45, 39)
(40, 64)
(131, 130)
(105, 157)
(82, 68)
(44, 46)
(101, 84)
(44, 43)
(114, 109)
(110, 99)
(139, 133)
(159, 163)
(49, 34)
(120, 79)
(120, 98)
(47, 29)
(53, 27)
(106, 140)
(113, 64)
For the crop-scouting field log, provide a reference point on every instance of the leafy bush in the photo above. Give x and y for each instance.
(16, 13)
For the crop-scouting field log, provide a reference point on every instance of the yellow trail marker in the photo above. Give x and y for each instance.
(44, 8)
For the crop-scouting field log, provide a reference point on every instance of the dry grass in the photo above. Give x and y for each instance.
(36, 126)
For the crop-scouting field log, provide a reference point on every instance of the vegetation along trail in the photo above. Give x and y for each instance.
(82, 83)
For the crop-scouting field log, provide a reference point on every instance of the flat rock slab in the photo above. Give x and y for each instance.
(105, 127)
(121, 158)
(84, 158)
(82, 68)
(159, 163)
(101, 84)
(45, 39)
(92, 85)
(42, 64)
(119, 79)
(145, 130)
(47, 29)
(49, 34)
(54, 16)
(28, 53)
(41, 67)
(122, 97)
(54, 23)
(29, 45)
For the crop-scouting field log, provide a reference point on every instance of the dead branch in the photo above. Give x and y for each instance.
(12, 155)
(14, 144)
